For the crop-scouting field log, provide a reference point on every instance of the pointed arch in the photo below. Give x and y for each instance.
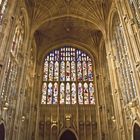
(70, 132)
(136, 131)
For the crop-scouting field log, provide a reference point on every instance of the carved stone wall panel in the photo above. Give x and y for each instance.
(55, 119)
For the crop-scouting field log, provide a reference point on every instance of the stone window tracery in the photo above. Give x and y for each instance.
(122, 63)
(67, 77)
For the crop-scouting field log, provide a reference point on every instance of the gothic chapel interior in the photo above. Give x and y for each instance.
(69, 69)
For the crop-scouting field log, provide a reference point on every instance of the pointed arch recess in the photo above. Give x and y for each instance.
(67, 129)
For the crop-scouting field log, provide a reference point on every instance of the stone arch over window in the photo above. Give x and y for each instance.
(68, 77)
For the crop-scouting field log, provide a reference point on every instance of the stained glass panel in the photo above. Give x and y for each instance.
(79, 71)
(51, 71)
(73, 90)
(67, 71)
(68, 93)
(84, 71)
(62, 73)
(49, 96)
(56, 71)
(62, 96)
(45, 71)
(80, 93)
(78, 55)
(55, 93)
(56, 55)
(73, 71)
(86, 94)
(91, 91)
(44, 91)
(90, 75)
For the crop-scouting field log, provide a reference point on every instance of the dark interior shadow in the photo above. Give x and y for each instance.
(68, 135)
(2, 132)
(136, 132)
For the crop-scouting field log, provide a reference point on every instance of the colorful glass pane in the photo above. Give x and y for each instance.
(47, 58)
(62, 54)
(84, 57)
(73, 71)
(78, 55)
(68, 93)
(51, 56)
(44, 91)
(84, 71)
(49, 96)
(80, 93)
(73, 56)
(90, 75)
(91, 91)
(88, 58)
(55, 93)
(62, 94)
(79, 71)
(45, 78)
(67, 71)
(62, 73)
(86, 94)
(56, 71)
(56, 55)
(73, 90)
(51, 71)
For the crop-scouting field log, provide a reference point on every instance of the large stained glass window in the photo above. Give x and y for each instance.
(14, 64)
(67, 77)
(122, 62)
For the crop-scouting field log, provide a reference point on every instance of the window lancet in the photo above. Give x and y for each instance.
(67, 77)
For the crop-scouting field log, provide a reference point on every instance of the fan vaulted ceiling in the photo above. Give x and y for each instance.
(79, 20)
